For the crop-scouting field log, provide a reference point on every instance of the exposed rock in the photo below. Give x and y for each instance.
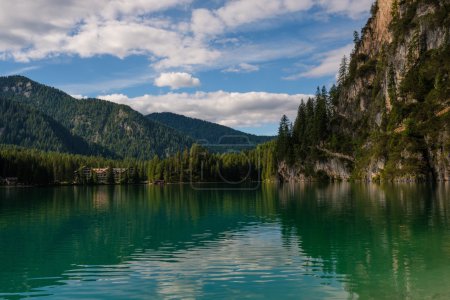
(380, 112)
(335, 169)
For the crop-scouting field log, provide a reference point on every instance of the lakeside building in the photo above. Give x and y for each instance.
(104, 175)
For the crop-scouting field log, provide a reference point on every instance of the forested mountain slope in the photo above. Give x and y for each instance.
(24, 126)
(203, 130)
(388, 117)
(117, 128)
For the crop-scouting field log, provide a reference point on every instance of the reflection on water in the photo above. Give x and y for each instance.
(291, 241)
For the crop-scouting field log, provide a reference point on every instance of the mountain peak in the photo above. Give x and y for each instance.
(102, 124)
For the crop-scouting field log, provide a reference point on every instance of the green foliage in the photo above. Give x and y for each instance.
(400, 25)
(429, 78)
(367, 68)
(106, 125)
(343, 71)
(24, 126)
(311, 131)
(356, 38)
(38, 167)
(196, 164)
(284, 146)
(374, 8)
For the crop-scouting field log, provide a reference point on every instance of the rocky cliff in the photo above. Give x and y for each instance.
(394, 104)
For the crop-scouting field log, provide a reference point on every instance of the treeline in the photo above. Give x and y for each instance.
(196, 164)
(32, 166)
(315, 126)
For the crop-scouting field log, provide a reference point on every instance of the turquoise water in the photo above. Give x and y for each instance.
(299, 241)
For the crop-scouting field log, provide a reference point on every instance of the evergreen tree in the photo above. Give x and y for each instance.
(334, 96)
(298, 133)
(356, 38)
(283, 141)
(310, 136)
(321, 117)
(342, 76)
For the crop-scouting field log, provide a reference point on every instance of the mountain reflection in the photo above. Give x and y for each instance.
(336, 240)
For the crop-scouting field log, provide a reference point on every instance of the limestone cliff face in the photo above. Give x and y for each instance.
(395, 101)
(376, 33)
(398, 84)
(333, 169)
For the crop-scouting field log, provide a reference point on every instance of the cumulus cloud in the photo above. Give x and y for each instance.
(236, 13)
(252, 109)
(176, 80)
(242, 68)
(329, 64)
(136, 27)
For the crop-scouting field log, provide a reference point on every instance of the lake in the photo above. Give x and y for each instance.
(307, 241)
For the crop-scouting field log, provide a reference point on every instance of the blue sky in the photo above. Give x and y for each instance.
(241, 63)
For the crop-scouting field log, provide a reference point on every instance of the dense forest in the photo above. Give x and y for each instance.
(195, 164)
(117, 130)
(312, 129)
(27, 127)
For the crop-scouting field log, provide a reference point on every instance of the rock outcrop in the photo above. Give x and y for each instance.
(395, 101)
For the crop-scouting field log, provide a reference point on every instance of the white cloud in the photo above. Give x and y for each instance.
(204, 22)
(252, 109)
(176, 80)
(33, 30)
(329, 64)
(242, 68)
(352, 8)
(79, 97)
(239, 12)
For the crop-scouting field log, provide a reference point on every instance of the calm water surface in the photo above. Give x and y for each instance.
(335, 241)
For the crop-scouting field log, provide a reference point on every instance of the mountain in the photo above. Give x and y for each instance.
(24, 126)
(201, 130)
(116, 128)
(389, 115)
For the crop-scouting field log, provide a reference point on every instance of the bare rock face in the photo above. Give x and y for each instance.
(395, 102)
(440, 156)
(20, 88)
(333, 169)
(376, 33)
(288, 173)
(397, 38)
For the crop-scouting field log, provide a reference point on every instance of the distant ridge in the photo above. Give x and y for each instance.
(117, 129)
(201, 130)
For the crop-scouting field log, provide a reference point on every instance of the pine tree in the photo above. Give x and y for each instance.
(342, 76)
(356, 39)
(321, 117)
(283, 140)
(298, 133)
(324, 93)
(309, 124)
(334, 95)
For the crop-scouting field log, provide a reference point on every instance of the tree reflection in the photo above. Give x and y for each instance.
(390, 241)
